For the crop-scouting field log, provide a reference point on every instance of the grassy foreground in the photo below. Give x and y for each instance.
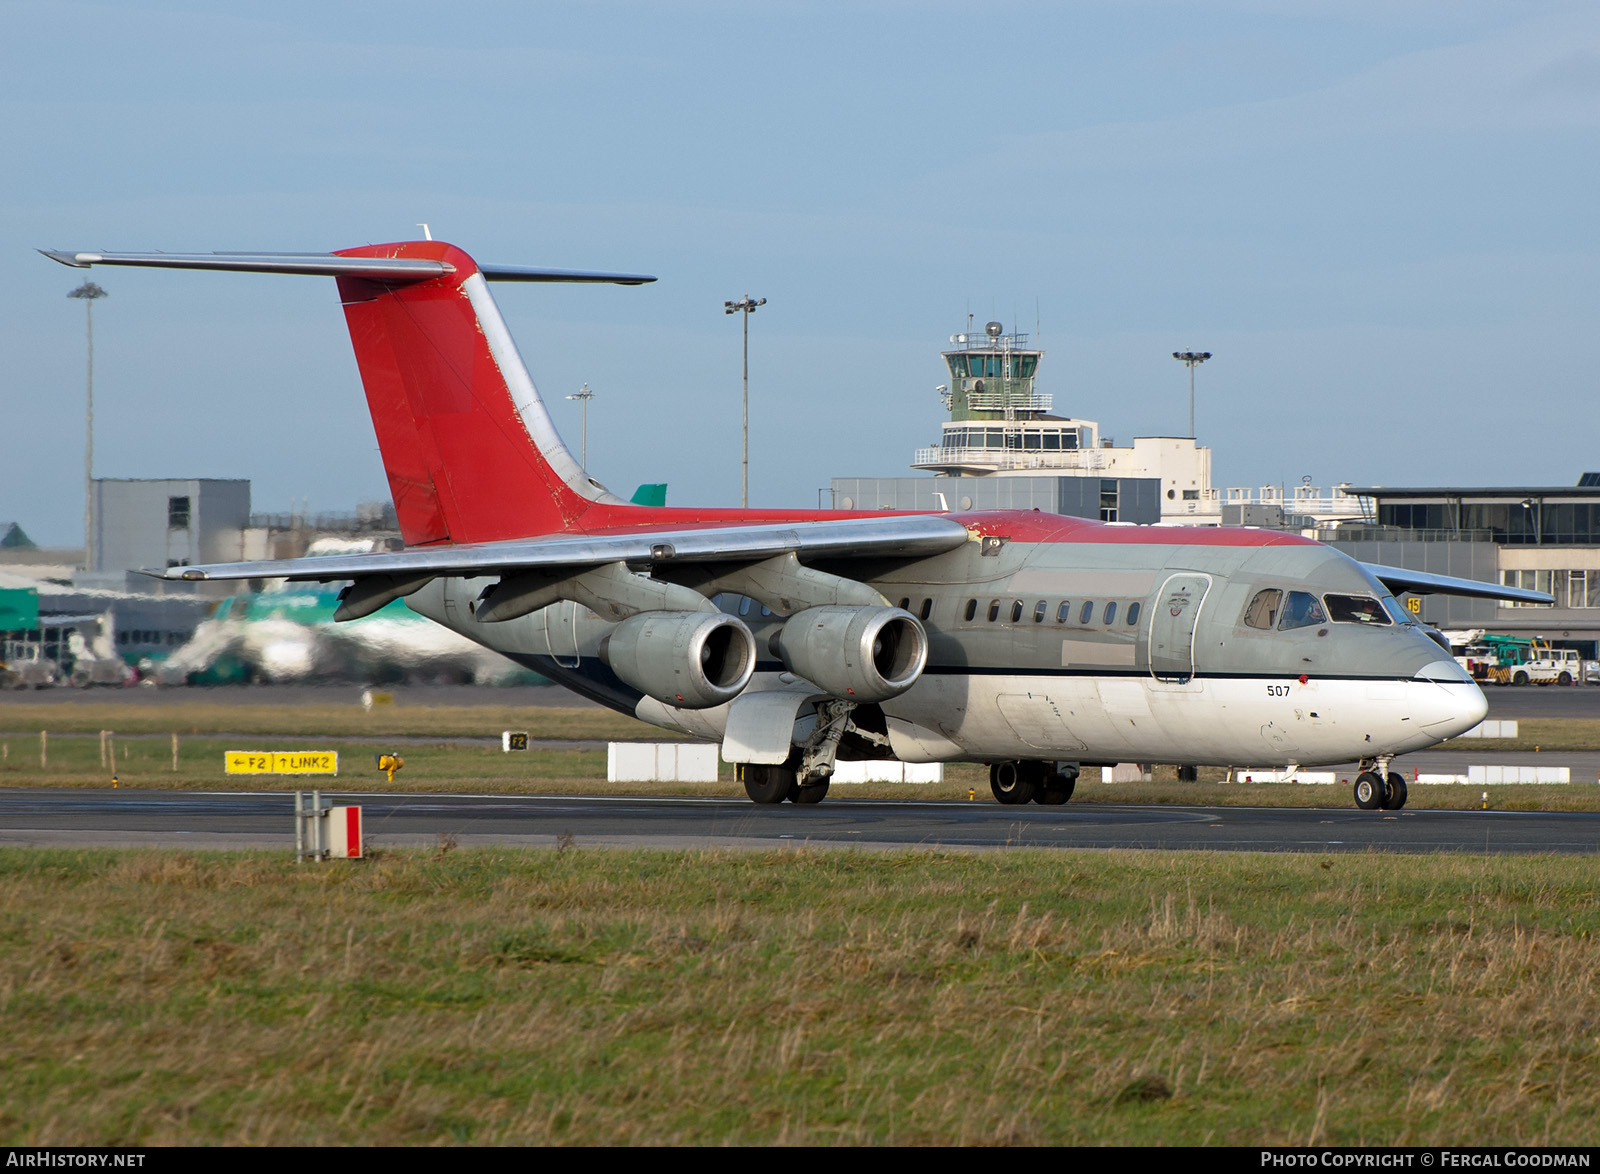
(600, 997)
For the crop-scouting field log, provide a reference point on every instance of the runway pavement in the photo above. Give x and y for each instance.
(109, 818)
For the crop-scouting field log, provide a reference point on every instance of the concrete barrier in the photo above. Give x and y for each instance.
(1277, 774)
(1519, 774)
(1124, 772)
(1491, 729)
(878, 771)
(661, 762)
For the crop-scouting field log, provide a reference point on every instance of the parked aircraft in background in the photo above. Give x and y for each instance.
(1032, 642)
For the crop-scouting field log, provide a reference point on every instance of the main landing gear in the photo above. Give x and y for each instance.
(774, 784)
(1047, 783)
(1379, 787)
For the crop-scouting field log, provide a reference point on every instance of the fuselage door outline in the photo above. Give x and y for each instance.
(1172, 626)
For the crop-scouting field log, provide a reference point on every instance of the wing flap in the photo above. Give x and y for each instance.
(901, 536)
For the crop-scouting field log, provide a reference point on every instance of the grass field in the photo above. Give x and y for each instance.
(598, 997)
(142, 745)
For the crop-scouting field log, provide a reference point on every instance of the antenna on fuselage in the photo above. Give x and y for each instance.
(427, 233)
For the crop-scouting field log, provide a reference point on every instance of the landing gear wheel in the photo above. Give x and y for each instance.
(766, 784)
(1369, 791)
(809, 792)
(1394, 792)
(1056, 790)
(1010, 783)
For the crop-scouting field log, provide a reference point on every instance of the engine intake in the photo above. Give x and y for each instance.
(855, 653)
(691, 659)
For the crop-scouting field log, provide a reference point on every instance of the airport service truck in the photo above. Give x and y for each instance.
(1517, 660)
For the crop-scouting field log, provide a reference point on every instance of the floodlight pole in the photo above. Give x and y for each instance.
(747, 306)
(585, 395)
(88, 293)
(1191, 359)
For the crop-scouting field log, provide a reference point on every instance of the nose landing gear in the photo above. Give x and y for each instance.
(1379, 787)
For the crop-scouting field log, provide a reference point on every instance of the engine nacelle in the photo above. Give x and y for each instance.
(690, 659)
(855, 653)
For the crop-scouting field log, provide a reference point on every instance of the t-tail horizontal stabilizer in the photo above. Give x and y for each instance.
(389, 269)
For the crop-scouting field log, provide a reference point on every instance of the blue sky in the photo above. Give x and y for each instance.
(1380, 217)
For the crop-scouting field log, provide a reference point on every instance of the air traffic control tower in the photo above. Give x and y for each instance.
(1003, 448)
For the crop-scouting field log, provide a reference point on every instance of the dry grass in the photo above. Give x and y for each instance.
(598, 997)
(454, 721)
(144, 760)
(1538, 734)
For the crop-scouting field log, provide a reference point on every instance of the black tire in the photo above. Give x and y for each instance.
(1394, 792)
(1011, 783)
(810, 792)
(1055, 790)
(1188, 774)
(1564, 679)
(1369, 791)
(1519, 678)
(766, 784)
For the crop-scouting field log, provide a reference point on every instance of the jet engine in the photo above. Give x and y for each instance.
(855, 653)
(690, 659)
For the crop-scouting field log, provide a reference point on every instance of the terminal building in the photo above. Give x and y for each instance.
(1544, 538)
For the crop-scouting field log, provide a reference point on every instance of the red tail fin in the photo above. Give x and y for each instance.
(470, 452)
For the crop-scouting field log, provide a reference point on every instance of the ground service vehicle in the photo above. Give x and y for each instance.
(1033, 642)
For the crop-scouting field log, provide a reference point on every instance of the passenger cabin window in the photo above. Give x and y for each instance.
(1086, 613)
(1301, 611)
(1110, 613)
(904, 604)
(1063, 611)
(744, 605)
(1355, 609)
(972, 609)
(1038, 611)
(1133, 614)
(1263, 609)
(927, 608)
(994, 610)
(1016, 610)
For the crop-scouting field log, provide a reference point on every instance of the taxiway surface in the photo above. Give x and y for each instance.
(108, 818)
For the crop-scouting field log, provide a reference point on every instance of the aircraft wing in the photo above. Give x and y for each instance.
(1421, 583)
(897, 536)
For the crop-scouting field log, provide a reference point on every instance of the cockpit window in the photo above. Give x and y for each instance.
(1355, 609)
(1301, 611)
(1397, 611)
(1263, 609)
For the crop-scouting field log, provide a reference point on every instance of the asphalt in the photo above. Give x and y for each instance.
(105, 818)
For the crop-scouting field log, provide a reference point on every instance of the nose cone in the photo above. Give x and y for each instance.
(1446, 701)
